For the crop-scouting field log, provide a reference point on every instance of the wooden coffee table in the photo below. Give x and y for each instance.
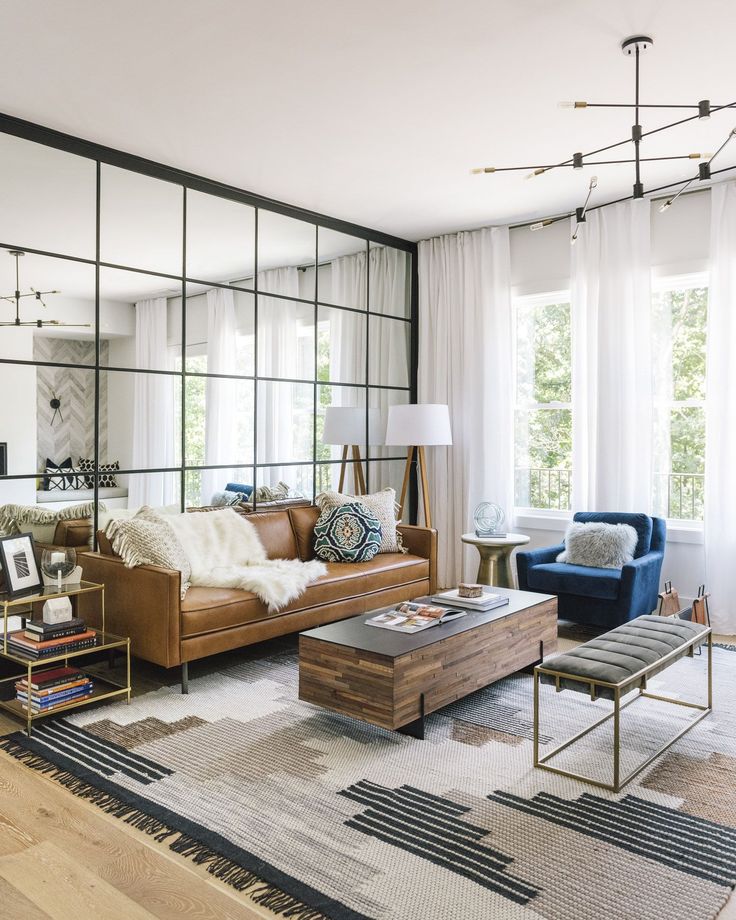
(394, 680)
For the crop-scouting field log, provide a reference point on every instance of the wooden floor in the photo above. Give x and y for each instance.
(63, 858)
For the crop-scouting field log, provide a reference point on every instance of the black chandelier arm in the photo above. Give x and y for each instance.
(571, 165)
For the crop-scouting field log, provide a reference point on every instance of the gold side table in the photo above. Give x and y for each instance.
(29, 605)
(495, 557)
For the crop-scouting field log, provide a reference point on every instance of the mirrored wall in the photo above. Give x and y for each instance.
(163, 338)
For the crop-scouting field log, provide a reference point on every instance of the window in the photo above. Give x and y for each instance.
(679, 311)
(543, 406)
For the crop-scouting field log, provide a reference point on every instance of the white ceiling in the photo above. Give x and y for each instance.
(372, 111)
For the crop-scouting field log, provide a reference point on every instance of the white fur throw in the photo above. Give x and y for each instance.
(225, 551)
(604, 546)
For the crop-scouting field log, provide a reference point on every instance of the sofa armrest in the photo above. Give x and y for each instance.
(527, 559)
(640, 583)
(422, 541)
(142, 603)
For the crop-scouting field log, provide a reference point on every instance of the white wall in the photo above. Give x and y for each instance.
(540, 262)
(18, 415)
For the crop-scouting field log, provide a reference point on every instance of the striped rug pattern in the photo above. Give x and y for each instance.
(320, 816)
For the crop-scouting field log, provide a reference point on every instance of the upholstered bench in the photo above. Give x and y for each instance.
(614, 665)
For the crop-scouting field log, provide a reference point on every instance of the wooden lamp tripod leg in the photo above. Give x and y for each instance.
(343, 466)
(358, 477)
(425, 486)
(405, 484)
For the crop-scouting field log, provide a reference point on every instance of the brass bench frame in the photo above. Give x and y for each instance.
(641, 676)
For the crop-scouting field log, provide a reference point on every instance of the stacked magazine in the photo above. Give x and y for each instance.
(487, 601)
(413, 618)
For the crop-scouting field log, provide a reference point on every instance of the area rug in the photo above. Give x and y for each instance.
(318, 815)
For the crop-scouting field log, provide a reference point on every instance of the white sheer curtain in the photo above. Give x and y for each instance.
(221, 435)
(277, 357)
(612, 376)
(720, 451)
(465, 361)
(153, 409)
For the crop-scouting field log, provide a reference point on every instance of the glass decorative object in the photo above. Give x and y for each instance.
(58, 564)
(488, 518)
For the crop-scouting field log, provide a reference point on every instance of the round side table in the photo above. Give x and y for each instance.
(495, 557)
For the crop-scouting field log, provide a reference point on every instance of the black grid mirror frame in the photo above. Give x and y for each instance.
(264, 211)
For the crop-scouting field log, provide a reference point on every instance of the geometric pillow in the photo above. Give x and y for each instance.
(55, 481)
(348, 533)
(381, 505)
(106, 478)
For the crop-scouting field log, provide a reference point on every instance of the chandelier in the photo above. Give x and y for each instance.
(632, 47)
(18, 295)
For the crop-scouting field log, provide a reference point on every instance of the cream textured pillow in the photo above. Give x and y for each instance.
(381, 504)
(604, 546)
(147, 538)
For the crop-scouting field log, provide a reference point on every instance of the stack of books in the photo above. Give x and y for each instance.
(53, 689)
(41, 640)
(487, 601)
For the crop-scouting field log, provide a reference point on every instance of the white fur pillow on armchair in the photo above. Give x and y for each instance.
(603, 546)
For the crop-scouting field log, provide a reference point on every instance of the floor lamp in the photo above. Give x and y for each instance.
(346, 426)
(419, 426)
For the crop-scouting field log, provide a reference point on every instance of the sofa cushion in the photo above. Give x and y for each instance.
(303, 521)
(641, 523)
(276, 533)
(210, 609)
(561, 578)
(349, 533)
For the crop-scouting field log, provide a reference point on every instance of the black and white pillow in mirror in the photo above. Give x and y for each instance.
(62, 476)
(106, 477)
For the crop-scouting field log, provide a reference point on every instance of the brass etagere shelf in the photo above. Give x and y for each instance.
(104, 687)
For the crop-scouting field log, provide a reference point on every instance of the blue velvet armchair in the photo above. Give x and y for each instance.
(600, 597)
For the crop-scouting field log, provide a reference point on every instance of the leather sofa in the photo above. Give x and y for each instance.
(144, 602)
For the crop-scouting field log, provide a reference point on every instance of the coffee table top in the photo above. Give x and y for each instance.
(354, 632)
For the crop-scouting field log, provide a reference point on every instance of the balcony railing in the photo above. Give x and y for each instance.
(678, 496)
(538, 487)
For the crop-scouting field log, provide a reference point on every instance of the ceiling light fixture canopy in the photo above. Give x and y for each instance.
(18, 295)
(633, 47)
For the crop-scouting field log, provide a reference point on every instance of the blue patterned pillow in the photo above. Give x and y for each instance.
(349, 533)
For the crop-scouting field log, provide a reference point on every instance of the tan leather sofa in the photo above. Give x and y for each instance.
(144, 602)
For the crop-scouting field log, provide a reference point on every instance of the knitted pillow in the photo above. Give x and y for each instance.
(348, 533)
(604, 546)
(381, 504)
(147, 538)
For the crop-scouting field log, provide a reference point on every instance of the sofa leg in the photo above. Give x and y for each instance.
(185, 677)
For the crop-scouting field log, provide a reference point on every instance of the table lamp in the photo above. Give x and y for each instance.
(418, 426)
(346, 426)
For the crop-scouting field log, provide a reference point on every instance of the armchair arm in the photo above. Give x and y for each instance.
(527, 559)
(143, 603)
(422, 541)
(640, 583)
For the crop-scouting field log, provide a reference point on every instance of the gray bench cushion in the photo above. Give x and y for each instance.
(617, 655)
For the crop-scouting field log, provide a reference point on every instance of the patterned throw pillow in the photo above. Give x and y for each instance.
(60, 475)
(381, 504)
(106, 476)
(147, 538)
(348, 533)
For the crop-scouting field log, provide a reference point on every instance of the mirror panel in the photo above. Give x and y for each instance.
(48, 198)
(206, 487)
(65, 306)
(287, 250)
(161, 491)
(286, 482)
(230, 314)
(285, 338)
(223, 408)
(342, 276)
(341, 345)
(390, 281)
(141, 221)
(221, 240)
(285, 421)
(389, 351)
(384, 474)
(381, 400)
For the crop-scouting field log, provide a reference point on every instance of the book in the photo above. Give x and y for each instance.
(82, 690)
(487, 601)
(20, 639)
(25, 648)
(59, 634)
(49, 630)
(55, 702)
(54, 676)
(412, 618)
(22, 687)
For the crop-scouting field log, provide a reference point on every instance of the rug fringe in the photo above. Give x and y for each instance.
(220, 867)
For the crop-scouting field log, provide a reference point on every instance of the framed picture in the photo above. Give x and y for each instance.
(19, 564)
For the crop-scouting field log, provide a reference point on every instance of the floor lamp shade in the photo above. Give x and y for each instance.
(423, 424)
(419, 426)
(346, 425)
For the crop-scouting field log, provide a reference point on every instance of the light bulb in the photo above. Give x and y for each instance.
(479, 170)
(665, 205)
(572, 105)
(574, 238)
(538, 226)
(593, 183)
(537, 172)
